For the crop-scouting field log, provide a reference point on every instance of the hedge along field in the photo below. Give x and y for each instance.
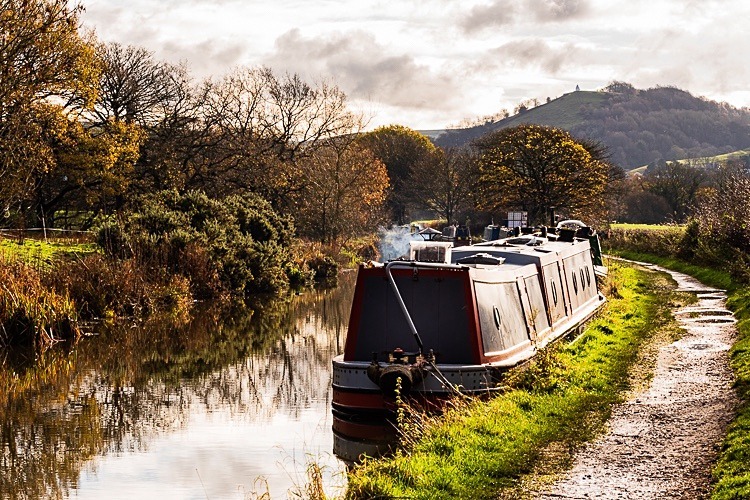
(732, 471)
(480, 448)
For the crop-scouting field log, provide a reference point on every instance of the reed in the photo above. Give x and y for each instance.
(105, 287)
(32, 313)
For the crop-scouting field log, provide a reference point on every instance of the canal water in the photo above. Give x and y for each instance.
(220, 405)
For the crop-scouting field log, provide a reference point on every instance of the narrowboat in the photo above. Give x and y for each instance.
(453, 319)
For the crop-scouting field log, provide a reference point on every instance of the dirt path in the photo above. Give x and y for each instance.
(664, 441)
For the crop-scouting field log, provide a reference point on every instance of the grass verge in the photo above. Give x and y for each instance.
(482, 448)
(39, 253)
(732, 471)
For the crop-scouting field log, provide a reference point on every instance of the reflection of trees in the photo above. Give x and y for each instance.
(293, 370)
(117, 392)
(43, 448)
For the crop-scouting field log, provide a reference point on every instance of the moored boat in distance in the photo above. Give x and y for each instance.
(454, 319)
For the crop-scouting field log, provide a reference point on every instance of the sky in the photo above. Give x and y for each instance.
(429, 64)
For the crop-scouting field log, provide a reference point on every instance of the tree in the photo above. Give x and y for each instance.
(93, 170)
(444, 181)
(161, 100)
(538, 169)
(175, 143)
(399, 148)
(720, 227)
(42, 56)
(262, 127)
(134, 88)
(678, 184)
(346, 188)
(617, 185)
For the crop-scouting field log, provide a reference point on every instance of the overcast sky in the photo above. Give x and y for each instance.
(430, 63)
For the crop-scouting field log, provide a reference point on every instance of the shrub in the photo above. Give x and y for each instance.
(325, 269)
(238, 245)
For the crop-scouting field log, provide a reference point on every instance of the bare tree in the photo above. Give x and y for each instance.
(264, 127)
(134, 87)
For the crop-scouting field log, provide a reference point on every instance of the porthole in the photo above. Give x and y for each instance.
(575, 282)
(583, 280)
(496, 315)
(554, 293)
(588, 276)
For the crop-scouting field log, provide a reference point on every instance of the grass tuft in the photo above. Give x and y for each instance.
(31, 313)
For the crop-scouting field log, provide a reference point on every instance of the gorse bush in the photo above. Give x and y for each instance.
(238, 245)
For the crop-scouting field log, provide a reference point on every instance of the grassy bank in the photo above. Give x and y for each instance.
(732, 472)
(480, 449)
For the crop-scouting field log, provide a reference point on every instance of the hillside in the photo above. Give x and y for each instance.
(638, 126)
(743, 155)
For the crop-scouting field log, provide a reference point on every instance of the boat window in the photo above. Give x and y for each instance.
(588, 276)
(554, 293)
(575, 282)
(496, 314)
(583, 280)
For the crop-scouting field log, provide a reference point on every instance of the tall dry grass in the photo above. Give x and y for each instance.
(31, 312)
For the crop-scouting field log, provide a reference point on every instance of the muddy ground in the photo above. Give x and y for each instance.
(663, 441)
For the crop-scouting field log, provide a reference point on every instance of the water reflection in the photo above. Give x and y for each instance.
(199, 410)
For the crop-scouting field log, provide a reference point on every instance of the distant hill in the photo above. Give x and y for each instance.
(637, 126)
(743, 155)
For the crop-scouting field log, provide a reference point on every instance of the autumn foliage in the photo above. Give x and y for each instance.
(539, 169)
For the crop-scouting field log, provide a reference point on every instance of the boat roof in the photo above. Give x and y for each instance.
(524, 250)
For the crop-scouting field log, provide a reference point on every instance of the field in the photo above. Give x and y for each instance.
(40, 253)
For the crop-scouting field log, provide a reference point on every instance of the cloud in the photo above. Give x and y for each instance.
(207, 57)
(433, 61)
(506, 13)
(364, 69)
(532, 53)
(557, 10)
(496, 14)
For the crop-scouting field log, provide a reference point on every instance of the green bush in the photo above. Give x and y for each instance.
(665, 241)
(238, 245)
(325, 269)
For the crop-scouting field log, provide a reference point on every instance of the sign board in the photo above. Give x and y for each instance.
(517, 219)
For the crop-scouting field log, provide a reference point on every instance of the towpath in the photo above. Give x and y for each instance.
(663, 442)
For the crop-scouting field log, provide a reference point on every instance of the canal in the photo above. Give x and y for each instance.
(219, 405)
